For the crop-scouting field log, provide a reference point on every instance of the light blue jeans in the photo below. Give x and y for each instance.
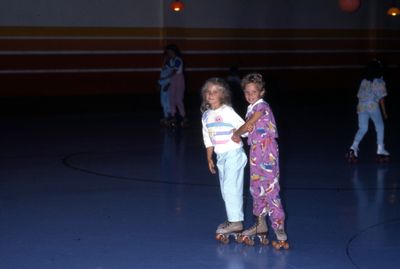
(164, 98)
(363, 121)
(231, 171)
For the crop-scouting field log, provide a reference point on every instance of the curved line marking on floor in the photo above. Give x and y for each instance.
(354, 237)
(66, 162)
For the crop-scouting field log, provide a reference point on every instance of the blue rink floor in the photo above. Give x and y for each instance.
(113, 190)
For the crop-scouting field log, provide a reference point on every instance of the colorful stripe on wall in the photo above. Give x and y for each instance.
(65, 61)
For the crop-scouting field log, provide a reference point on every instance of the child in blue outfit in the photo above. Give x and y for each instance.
(219, 121)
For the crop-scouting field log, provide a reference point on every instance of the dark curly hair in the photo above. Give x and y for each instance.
(374, 70)
(174, 48)
(255, 78)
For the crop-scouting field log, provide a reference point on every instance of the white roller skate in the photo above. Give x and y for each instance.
(281, 239)
(258, 230)
(382, 155)
(227, 229)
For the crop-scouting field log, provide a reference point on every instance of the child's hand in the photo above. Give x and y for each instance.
(211, 167)
(236, 138)
(385, 115)
(250, 127)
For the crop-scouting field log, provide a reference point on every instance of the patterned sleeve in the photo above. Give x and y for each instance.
(261, 107)
(380, 89)
(177, 63)
(267, 118)
(362, 87)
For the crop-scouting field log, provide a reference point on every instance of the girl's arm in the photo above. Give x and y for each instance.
(383, 108)
(247, 126)
(210, 160)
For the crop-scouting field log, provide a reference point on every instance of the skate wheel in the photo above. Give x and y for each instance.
(352, 161)
(222, 238)
(286, 245)
(239, 239)
(264, 241)
(218, 237)
(277, 247)
(280, 244)
(225, 240)
(248, 241)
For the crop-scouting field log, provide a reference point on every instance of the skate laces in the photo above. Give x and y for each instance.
(281, 234)
(226, 224)
(254, 227)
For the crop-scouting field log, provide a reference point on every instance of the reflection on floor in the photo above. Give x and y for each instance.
(114, 190)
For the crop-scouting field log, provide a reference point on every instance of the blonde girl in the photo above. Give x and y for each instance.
(219, 121)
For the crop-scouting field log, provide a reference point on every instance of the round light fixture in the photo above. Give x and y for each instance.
(349, 5)
(393, 11)
(177, 6)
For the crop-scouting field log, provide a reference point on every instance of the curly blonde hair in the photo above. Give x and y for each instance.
(255, 78)
(221, 86)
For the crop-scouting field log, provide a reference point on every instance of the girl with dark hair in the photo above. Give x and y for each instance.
(177, 85)
(371, 105)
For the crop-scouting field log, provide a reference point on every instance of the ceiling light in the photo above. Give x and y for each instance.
(177, 6)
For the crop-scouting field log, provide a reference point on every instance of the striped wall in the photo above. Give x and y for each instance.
(82, 61)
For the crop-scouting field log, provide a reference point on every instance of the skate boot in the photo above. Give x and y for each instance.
(227, 229)
(164, 122)
(259, 230)
(382, 155)
(172, 122)
(185, 123)
(282, 239)
(352, 155)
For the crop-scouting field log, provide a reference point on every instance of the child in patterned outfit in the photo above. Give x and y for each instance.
(164, 83)
(264, 163)
(219, 121)
(177, 85)
(370, 105)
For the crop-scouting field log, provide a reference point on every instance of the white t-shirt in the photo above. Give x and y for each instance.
(218, 127)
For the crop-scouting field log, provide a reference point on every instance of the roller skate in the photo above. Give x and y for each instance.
(352, 155)
(164, 122)
(172, 122)
(281, 239)
(382, 155)
(169, 122)
(258, 230)
(227, 229)
(185, 123)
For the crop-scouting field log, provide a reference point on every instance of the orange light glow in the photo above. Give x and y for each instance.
(177, 6)
(393, 11)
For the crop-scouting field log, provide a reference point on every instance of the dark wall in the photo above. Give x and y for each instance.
(112, 61)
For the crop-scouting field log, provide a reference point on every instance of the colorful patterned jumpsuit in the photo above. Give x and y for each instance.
(264, 165)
